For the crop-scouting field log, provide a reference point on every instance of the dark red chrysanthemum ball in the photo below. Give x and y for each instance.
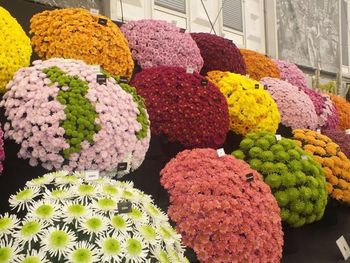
(183, 106)
(219, 53)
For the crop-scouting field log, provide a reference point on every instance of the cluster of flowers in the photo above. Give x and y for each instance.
(259, 66)
(291, 73)
(76, 33)
(70, 218)
(2, 150)
(251, 108)
(343, 110)
(158, 43)
(295, 107)
(335, 164)
(339, 137)
(219, 53)
(64, 118)
(328, 118)
(15, 49)
(296, 180)
(183, 106)
(222, 208)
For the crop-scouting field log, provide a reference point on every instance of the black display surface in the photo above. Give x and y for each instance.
(311, 243)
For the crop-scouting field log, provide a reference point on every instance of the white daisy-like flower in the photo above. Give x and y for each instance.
(57, 174)
(162, 256)
(8, 223)
(58, 194)
(29, 232)
(149, 234)
(85, 192)
(83, 252)
(57, 242)
(73, 212)
(120, 223)
(136, 249)
(68, 180)
(110, 190)
(125, 185)
(40, 181)
(111, 248)
(9, 249)
(154, 212)
(44, 210)
(104, 206)
(138, 217)
(100, 181)
(24, 198)
(132, 195)
(168, 233)
(93, 225)
(32, 256)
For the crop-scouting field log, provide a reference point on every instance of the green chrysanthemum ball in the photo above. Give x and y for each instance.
(297, 181)
(70, 218)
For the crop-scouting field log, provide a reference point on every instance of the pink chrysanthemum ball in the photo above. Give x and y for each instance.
(65, 115)
(222, 208)
(157, 42)
(291, 73)
(296, 108)
(328, 119)
(219, 53)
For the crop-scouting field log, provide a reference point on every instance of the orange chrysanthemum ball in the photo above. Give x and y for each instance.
(78, 34)
(335, 164)
(343, 110)
(259, 66)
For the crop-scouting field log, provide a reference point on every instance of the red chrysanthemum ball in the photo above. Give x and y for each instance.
(183, 106)
(259, 66)
(222, 208)
(219, 53)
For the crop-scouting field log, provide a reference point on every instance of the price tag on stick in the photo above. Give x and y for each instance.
(189, 70)
(250, 177)
(101, 79)
(91, 175)
(343, 247)
(123, 80)
(94, 11)
(221, 152)
(124, 207)
(102, 21)
(278, 137)
(204, 82)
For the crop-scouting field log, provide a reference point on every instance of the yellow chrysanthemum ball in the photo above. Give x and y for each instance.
(15, 49)
(251, 107)
(78, 34)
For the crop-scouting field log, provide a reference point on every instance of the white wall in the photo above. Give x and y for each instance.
(195, 19)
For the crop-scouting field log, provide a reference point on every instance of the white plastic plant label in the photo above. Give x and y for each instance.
(189, 70)
(343, 247)
(347, 131)
(91, 175)
(96, 68)
(221, 152)
(94, 11)
(318, 130)
(278, 137)
(304, 157)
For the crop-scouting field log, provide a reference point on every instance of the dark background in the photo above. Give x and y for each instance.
(309, 244)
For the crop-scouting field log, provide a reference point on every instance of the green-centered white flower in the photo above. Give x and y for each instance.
(156, 214)
(72, 212)
(9, 250)
(149, 233)
(93, 225)
(44, 210)
(111, 248)
(33, 256)
(110, 190)
(58, 194)
(85, 192)
(29, 232)
(57, 242)
(57, 174)
(68, 180)
(176, 253)
(162, 256)
(24, 198)
(138, 217)
(40, 181)
(83, 252)
(168, 233)
(8, 224)
(135, 249)
(105, 205)
(120, 223)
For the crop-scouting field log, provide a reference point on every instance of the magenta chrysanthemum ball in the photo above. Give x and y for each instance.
(222, 208)
(159, 43)
(63, 118)
(296, 108)
(219, 53)
(328, 118)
